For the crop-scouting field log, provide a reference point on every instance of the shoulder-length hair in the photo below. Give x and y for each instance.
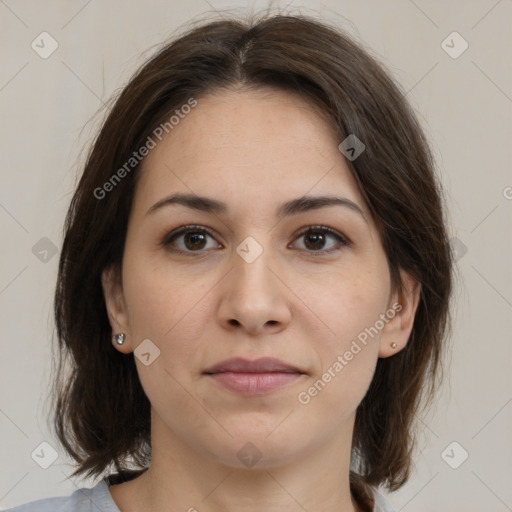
(101, 413)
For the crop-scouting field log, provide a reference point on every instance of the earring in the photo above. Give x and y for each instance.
(394, 345)
(118, 338)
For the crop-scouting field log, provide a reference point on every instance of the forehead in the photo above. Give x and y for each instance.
(247, 146)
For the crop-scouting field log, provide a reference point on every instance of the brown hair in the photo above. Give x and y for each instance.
(99, 426)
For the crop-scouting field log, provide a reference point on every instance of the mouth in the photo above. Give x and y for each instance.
(254, 377)
(262, 365)
(254, 383)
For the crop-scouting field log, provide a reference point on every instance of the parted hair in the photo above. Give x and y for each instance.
(101, 414)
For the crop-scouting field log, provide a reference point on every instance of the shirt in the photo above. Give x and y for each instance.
(99, 499)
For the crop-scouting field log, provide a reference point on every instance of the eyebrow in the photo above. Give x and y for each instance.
(292, 207)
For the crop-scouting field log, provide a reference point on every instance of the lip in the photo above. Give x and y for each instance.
(250, 384)
(261, 365)
(256, 377)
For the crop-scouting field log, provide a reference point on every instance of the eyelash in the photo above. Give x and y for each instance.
(342, 241)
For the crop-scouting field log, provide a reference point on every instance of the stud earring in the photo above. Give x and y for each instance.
(394, 345)
(119, 338)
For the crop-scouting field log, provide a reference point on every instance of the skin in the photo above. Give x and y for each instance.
(252, 151)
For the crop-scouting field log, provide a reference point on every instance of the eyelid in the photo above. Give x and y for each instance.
(326, 229)
(343, 239)
(183, 230)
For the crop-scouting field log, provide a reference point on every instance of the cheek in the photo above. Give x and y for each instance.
(352, 304)
(159, 299)
(169, 308)
(348, 348)
(163, 307)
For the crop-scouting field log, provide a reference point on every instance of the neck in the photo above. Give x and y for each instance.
(185, 478)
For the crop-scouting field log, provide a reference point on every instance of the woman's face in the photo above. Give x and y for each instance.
(253, 279)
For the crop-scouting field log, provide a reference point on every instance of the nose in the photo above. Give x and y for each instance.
(253, 297)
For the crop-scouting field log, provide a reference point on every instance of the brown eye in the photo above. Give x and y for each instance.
(194, 239)
(190, 238)
(316, 238)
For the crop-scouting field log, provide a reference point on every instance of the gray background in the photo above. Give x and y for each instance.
(465, 106)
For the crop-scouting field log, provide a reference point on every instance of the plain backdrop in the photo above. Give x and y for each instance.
(464, 102)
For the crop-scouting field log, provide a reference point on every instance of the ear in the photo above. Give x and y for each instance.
(404, 305)
(116, 306)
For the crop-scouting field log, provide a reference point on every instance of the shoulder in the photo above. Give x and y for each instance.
(95, 499)
(381, 503)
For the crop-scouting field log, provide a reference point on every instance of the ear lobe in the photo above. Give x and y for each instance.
(398, 329)
(116, 307)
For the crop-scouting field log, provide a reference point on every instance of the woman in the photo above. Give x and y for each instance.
(254, 282)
